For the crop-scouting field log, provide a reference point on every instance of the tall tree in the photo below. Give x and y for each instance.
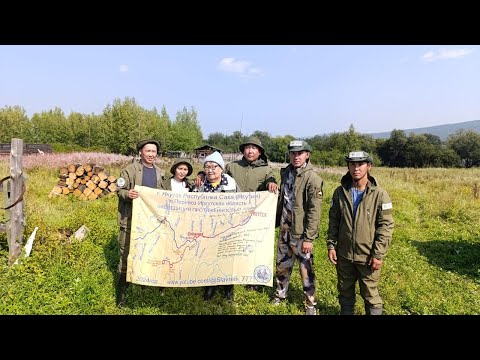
(266, 140)
(353, 139)
(218, 140)
(466, 143)
(123, 126)
(14, 123)
(392, 152)
(234, 141)
(186, 132)
(279, 148)
(51, 127)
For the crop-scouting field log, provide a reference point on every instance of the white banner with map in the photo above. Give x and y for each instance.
(201, 239)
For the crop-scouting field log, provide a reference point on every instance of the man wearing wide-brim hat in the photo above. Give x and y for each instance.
(143, 172)
(252, 172)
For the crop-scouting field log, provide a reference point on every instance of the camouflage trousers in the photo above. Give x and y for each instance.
(348, 274)
(287, 251)
(124, 248)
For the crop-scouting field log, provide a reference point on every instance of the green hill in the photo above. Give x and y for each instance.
(442, 131)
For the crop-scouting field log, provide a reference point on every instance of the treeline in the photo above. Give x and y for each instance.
(462, 149)
(123, 123)
(117, 130)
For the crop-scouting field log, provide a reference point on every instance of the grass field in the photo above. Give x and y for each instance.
(432, 266)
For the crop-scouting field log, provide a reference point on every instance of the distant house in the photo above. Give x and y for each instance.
(205, 150)
(175, 154)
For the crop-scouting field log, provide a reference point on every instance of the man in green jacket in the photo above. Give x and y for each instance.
(298, 215)
(359, 233)
(143, 172)
(252, 172)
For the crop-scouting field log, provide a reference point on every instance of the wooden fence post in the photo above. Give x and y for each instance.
(4, 188)
(16, 224)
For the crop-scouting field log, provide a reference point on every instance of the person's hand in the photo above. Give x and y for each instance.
(272, 187)
(307, 247)
(332, 256)
(375, 263)
(200, 179)
(133, 194)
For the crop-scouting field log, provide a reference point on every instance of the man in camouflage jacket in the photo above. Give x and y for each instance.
(298, 215)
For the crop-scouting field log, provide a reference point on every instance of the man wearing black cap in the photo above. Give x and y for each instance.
(143, 172)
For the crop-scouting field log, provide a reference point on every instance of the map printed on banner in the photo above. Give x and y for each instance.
(201, 239)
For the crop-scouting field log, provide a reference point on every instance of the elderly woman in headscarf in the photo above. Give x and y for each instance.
(217, 181)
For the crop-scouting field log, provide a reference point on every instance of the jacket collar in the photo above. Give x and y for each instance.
(346, 182)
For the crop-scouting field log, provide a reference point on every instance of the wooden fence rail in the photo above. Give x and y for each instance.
(28, 149)
(13, 196)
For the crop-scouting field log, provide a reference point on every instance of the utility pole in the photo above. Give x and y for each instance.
(241, 124)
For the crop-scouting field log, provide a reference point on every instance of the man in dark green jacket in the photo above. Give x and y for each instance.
(143, 172)
(359, 233)
(298, 215)
(252, 172)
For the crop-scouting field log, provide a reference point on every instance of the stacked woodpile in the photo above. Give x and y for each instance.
(87, 182)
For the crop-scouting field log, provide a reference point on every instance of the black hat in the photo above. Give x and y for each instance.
(179, 162)
(142, 143)
(254, 141)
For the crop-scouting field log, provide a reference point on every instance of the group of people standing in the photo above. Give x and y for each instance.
(360, 217)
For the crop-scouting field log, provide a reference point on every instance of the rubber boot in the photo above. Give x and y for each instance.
(228, 292)
(370, 310)
(122, 289)
(347, 309)
(347, 305)
(208, 292)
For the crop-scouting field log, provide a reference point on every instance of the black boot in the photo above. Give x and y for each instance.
(209, 292)
(347, 305)
(228, 292)
(346, 310)
(122, 289)
(370, 310)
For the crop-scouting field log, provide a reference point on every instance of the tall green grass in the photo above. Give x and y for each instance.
(432, 266)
